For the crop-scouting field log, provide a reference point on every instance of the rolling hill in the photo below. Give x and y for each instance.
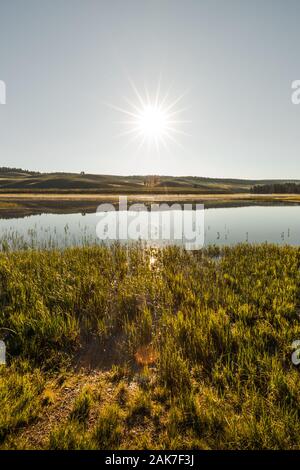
(17, 180)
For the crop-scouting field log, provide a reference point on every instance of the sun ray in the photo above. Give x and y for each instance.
(179, 111)
(176, 131)
(163, 141)
(173, 139)
(153, 119)
(134, 106)
(137, 93)
(134, 130)
(157, 93)
(166, 96)
(125, 111)
(147, 96)
(171, 106)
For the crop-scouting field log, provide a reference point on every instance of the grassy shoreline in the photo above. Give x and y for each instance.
(149, 196)
(24, 204)
(132, 348)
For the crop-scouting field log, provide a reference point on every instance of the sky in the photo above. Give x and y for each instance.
(68, 65)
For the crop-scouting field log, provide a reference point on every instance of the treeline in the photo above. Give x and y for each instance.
(7, 169)
(277, 188)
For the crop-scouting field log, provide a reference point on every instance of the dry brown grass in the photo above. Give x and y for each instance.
(148, 197)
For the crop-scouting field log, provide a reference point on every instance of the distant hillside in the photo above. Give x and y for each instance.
(18, 180)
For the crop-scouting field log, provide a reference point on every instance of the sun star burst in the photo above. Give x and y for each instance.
(152, 120)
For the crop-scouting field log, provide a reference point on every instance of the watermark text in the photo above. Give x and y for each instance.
(157, 224)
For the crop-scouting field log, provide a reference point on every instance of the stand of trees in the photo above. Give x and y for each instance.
(7, 169)
(276, 188)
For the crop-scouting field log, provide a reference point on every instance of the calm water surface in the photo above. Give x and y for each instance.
(222, 226)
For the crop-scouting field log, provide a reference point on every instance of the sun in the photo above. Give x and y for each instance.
(152, 120)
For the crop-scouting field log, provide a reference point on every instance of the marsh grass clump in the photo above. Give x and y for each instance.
(20, 397)
(140, 406)
(82, 406)
(69, 436)
(109, 428)
(193, 349)
(173, 368)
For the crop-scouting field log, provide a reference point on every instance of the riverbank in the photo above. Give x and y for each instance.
(23, 204)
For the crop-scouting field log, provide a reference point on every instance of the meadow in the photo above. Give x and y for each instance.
(24, 193)
(20, 181)
(137, 348)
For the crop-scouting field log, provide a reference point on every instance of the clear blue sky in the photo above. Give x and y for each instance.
(64, 60)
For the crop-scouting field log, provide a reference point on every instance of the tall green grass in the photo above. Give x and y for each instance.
(221, 323)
